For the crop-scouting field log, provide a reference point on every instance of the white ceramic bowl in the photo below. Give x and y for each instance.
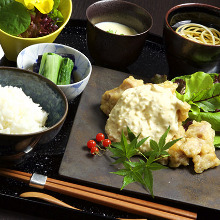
(82, 70)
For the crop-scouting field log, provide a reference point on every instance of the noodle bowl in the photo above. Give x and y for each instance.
(192, 39)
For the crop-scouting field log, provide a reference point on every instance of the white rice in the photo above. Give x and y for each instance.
(18, 113)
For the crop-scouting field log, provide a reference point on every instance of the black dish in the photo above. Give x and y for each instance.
(185, 56)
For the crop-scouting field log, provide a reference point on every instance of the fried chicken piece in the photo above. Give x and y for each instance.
(110, 98)
(196, 144)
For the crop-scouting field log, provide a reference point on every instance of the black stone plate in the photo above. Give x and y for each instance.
(182, 184)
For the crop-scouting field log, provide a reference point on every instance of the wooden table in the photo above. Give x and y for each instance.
(157, 8)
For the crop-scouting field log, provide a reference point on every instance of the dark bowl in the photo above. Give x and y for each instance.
(14, 146)
(185, 56)
(111, 50)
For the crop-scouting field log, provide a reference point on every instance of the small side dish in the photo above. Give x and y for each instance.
(26, 22)
(30, 19)
(30, 59)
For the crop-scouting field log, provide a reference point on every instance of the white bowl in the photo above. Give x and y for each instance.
(82, 70)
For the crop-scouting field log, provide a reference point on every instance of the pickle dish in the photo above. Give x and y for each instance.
(28, 57)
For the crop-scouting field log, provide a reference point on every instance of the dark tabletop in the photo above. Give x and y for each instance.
(157, 8)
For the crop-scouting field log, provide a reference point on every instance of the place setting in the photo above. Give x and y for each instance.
(100, 118)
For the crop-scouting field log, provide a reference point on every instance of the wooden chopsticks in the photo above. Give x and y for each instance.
(113, 200)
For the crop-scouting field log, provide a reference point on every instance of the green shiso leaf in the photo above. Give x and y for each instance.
(14, 17)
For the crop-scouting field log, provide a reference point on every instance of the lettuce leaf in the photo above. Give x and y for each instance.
(204, 97)
(217, 140)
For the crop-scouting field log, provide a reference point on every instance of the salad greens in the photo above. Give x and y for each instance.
(16, 18)
(140, 171)
(202, 91)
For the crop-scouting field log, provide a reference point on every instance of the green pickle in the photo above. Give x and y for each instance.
(56, 68)
(64, 76)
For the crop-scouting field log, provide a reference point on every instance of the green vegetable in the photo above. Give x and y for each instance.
(204, 97)
(50, 65)
(111, 31)
(55, 14)
(15, 18)
(140, 171)
(217, 141)
(66, 68)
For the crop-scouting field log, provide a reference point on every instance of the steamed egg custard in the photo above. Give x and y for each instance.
(116, 28)
(148, 110)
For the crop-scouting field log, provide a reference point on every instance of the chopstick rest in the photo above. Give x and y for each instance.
(113, 200)
(38, 181)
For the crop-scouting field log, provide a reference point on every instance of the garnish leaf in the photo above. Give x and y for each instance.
(169, 144)
(139, 171)
(127, 180)
(163, 138)
(131, 135)
(148, 180)
(157, 166)
(154, 145)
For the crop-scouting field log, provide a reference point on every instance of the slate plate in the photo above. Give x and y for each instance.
(179, 185)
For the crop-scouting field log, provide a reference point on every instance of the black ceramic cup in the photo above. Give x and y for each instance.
(111, 50)
(185, 56)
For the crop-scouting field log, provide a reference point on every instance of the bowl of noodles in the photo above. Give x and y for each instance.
(192, 39)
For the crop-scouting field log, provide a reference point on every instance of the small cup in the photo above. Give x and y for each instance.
(112, 50)
(185, 56)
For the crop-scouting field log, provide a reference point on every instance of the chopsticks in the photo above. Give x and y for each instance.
(113, 200)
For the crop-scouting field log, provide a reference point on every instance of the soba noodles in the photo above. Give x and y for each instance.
(199, 33)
